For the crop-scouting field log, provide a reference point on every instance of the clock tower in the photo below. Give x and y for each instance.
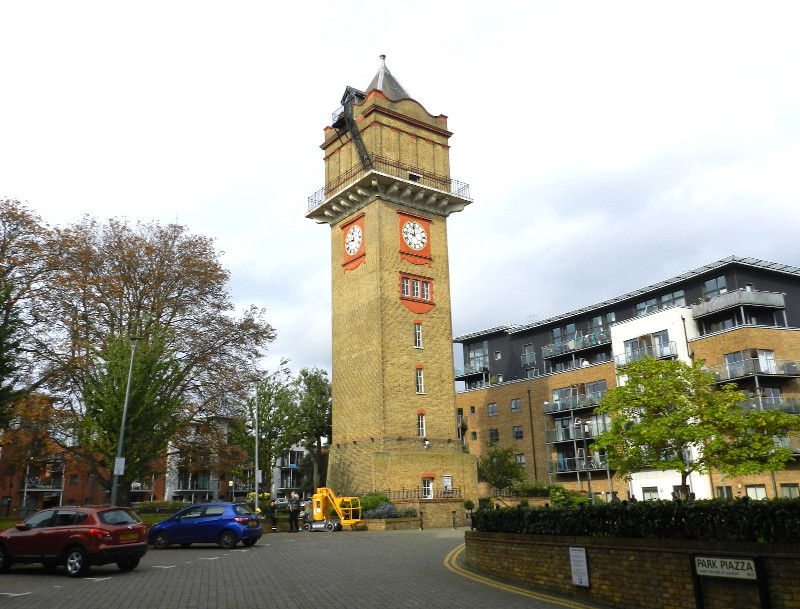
(387, 197)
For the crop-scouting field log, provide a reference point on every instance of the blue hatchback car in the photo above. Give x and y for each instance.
(223, 523)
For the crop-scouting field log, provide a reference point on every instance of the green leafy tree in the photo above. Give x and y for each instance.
(499, 468)
(156, 408)
(669, 416)
(274, 401)
(9, 354)
(311, 417)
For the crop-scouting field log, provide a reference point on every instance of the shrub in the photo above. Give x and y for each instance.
(485, 503)
(387, 510)
(372, 501)
(159, 507)
(469, 505)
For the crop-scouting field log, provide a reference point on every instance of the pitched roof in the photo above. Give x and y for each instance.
(387, 84)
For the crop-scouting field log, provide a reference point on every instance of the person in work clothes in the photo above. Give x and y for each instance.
(294, 512)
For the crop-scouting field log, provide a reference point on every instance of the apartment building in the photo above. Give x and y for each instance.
(535, 387)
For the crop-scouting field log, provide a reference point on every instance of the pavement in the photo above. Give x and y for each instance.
(387, 569)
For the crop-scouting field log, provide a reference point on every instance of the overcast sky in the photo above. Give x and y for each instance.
(608, 145)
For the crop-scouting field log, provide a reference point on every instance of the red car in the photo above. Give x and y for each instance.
(76, 537)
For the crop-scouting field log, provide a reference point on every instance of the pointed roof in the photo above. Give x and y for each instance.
(387, 84)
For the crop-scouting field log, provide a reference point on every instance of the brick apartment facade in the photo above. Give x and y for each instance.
(535, 387)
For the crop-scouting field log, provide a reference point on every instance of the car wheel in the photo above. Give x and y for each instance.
(227, 539)
(76, 562)
(306, 526)
(129, 565)
(160, 541)
(330, 527)
(249, 543)
(5, 562)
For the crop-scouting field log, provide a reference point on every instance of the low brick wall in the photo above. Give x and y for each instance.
(391, 524)
(638, 573)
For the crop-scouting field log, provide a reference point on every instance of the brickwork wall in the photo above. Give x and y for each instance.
(636, 573)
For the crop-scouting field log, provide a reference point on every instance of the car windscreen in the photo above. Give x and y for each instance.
(118, 517)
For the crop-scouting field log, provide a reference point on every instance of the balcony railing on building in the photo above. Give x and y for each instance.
(583, 400)
(414, 494)
(756, 366)
(789, 405)
(576, 464)
(44, 483)
(391, 168)
(739, 298)
(578, 343)
(570, 434)
(659, 351)
(472, 370)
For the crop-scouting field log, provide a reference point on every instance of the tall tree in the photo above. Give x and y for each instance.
(9, 354)
(669, 416)
(156, 408)
(271, 406)
(499, 468)
(312, 416)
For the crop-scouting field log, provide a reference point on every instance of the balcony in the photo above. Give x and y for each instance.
(576, 464)
(790, 405)
(578, 343)
(571, 434)
(471, 371)
(661, 351)
(776, 368)
(44, 484)
(387, 177)
(527, 359)
(739, 298)
(584, 400)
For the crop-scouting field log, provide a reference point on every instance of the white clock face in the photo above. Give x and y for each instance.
(414, 235)
(352, 241)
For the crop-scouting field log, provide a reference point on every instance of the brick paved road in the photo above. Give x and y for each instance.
(393, 569)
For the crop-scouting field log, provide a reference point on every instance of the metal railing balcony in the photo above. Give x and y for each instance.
(392, 168)
(528, 359)
(475, 369)
(790, 405)
(571, 434)
(583, 400)
(44, 484)
(756, 366)
(738, 298)
(576, 344)
(662, 351)
(576, 464)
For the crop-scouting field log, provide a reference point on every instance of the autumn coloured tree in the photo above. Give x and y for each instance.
(670, 416)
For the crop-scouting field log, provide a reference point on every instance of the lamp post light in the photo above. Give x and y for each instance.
(119, 462)
(584, 427)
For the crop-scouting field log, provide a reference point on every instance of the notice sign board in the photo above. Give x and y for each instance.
(580, 568)
(721, 566)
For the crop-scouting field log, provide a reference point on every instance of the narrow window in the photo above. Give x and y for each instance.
(421, 425)
(515, 405)
(427, 488)
(418, 335)
(494, 435)
(491, 409)
(420, 380)
(426, 290)
(415, 288)
(405, 283)
(518, 432)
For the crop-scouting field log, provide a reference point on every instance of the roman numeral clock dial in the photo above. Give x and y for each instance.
(414, 235)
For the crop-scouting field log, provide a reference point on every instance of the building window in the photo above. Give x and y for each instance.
(421, 425)
(499, 378)
(498, 355)
(528, 355)
(472, 409)
(520, 458)
(756, 491)
(418, 335)
(491, 409)
(427, 488)
(649, 492)
(73, 480)
(494, 435)
(790, 491)
(473, 435)
(675, 299)
(415, 288)
(516, 405)
(715, 287)
(724, 492)
(648, 306)
(426, 290)
(518, 432)
(420, 380)
(405, 284)
(447, 484)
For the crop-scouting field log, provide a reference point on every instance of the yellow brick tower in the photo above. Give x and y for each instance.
(387, 197)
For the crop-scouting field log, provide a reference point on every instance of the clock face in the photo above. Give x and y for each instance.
(352, 241)
(414, 235)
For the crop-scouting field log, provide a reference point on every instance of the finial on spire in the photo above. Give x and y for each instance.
(385, 82)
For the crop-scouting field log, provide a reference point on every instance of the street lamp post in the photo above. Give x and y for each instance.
(584, 428)
(119, 462)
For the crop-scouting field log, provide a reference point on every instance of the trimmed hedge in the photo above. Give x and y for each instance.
(740, 520)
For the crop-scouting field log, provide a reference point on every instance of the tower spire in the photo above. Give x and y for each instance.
(387, 84)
